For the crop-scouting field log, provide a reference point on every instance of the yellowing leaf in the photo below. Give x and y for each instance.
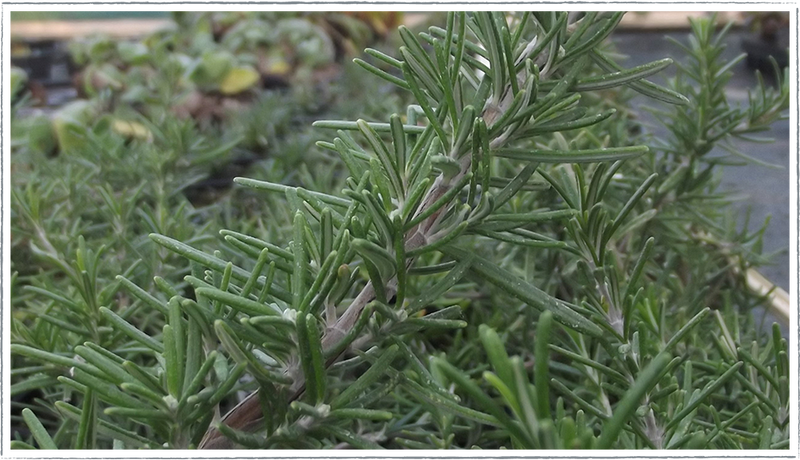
(131, 129)
(238, 79)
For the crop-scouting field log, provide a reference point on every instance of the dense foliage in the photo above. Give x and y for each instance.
(510, 261)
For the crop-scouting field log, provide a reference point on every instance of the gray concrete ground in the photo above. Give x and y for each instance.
(765, 190)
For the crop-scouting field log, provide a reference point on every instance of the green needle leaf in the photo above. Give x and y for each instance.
(142, 295)
(387, 161)
(642, 86)
(251, 307)
(112, 369)
(141, 414)
(448, 404)
(708, 390)
(623, 213)
(38, 430)
(542, 360)
(310, 348)
(481, 398)
(226, 386)
(214, 263)
(443, 285)
(496, 352)
(173, 366)
(377, 127)
(106, 428)
(87, 432)
(446, 198)
(686, 328)
(381, 73)
(622, 77)
(272, 187)
(15, 445)
(526, 292)
(367, 378)
(630, 402)
(348, 437)
(363, 414)
(573, 156)
(515, 185)
(45, 356)
(197, 380)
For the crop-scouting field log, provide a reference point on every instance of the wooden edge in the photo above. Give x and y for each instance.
(64, 30)
(671, 20)
(130, 28)
(637, 20)
(412, 20)
(779, 304)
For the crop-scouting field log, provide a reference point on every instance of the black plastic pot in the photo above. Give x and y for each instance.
(47, 63)
(759, 52)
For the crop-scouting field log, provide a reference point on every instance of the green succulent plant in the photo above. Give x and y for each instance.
(18, 80)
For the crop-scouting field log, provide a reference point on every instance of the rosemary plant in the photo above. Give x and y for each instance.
(504, 211)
